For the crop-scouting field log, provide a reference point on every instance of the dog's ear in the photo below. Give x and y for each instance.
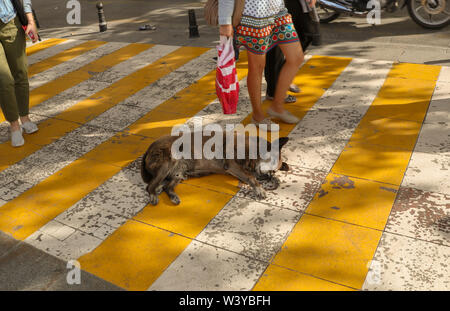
(282, 141)
(284, 167)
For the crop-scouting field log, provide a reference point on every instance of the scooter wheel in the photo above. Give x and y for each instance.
(420, 20)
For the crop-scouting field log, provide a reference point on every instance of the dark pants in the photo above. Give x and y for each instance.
(275, 58)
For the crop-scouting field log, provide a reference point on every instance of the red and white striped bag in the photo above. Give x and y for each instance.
(227, 84)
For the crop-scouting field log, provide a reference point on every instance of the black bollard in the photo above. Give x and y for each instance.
(193, 27)
(101, 17)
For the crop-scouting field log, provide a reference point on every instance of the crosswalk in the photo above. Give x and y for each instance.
(365, 205)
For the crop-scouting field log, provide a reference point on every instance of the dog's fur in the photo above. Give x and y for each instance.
(162, 172)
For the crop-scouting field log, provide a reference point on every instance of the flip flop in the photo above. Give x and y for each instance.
(147, 27)
(289, 99)
(294, 88)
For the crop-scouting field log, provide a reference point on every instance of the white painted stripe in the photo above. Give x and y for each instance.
(73, 64)
(258, 229)
(52, 51)
(439, 110)
(429, 167)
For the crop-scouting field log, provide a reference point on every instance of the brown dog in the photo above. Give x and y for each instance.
(162, 171)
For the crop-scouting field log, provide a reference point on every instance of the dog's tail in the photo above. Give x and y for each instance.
(146, 176)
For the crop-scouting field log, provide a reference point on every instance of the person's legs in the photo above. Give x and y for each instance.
(256, 63)
(293, 59)
(17, 60)
(274, 63)
(7, 84)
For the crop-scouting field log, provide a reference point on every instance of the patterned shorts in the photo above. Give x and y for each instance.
(260, 40)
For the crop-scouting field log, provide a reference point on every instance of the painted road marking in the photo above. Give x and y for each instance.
(28, 202)
(108, 201)
(60, 70)
(49, 52)
(417, 228)
(66, 81)
(53, 128)
(153, 216)
(45, 44)
(63, 56)
(258, 229)
(347, 245)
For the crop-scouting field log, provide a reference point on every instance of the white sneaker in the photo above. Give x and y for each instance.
(17, 138)
(285, 116)
(29, 127)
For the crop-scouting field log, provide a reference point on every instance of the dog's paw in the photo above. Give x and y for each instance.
(154, 200)
(260, 193)
(175, 199)
(271, 184)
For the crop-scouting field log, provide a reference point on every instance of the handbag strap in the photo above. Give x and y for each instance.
(18, 6)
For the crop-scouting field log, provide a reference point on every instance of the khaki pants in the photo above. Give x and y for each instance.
(14, 87)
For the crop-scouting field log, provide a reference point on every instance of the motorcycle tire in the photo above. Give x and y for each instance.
(329, 19)
(414, 17)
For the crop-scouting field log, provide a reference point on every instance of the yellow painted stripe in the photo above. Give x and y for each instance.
(339, 233)
(43, 45)
(402, 97)
(293, 281)
(198, 206)
(86, 72)
(35, 207)
(62, 57)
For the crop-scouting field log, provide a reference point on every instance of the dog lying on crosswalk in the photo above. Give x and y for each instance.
(162, 171)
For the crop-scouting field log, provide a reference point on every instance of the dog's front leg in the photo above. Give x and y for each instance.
(169, 189)
(154, 186)
(243, 175)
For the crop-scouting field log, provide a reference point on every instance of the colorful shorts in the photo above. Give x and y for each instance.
(260, 40)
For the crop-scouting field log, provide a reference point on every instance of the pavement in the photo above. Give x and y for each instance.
(365, 205)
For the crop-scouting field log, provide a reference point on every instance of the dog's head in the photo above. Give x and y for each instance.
(271, 161)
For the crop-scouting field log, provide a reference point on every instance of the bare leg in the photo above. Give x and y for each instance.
(15, 126)
(294, 58)
(25, 119)
(256, 65)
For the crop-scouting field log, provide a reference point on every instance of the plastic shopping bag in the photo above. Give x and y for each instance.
(227, 84)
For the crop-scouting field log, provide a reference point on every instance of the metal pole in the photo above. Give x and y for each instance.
(193, 27)
(101, 17)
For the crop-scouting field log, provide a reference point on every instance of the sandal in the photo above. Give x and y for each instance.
(289, 99)
(147, 27)
(294, 88)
